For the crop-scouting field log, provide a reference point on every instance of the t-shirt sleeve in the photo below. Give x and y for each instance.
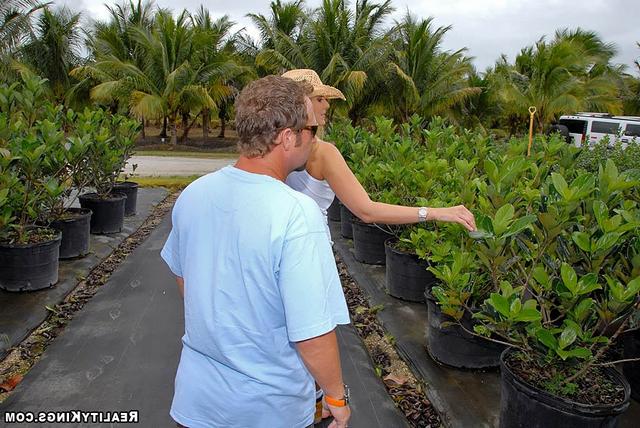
(171, 251)
(310, 287)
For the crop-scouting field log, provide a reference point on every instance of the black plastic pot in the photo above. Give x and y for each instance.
(522, 405)
(407, 276)
(75, 229)
(632, 370)
(29, 267)
(130, 189)
(108, 213)
(368, 243)
(333, 212)
(346, 217)
(451, 345)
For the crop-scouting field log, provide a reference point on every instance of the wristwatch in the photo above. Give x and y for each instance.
(342, 402)
(422, 213)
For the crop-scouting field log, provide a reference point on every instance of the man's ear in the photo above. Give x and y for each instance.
(287, 138)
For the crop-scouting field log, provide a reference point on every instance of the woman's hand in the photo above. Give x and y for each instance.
(458, 214)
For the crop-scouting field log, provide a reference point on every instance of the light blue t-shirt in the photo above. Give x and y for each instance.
(259, 275)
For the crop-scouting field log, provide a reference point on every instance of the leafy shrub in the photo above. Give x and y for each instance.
(554, 269)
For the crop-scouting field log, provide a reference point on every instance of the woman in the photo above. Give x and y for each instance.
(327, 175)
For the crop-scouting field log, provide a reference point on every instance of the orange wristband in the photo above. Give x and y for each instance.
(342, 402)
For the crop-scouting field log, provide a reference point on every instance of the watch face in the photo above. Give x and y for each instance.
(422, 212)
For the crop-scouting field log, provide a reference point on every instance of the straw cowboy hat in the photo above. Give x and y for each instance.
(319, 88)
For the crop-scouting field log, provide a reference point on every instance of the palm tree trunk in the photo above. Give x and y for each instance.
(144, 135)
(163, 133)
(223, 126)
(174, 131)
(205, 125)
(222, 114)
(187, 128)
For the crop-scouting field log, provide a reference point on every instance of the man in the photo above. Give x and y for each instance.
(261, 292)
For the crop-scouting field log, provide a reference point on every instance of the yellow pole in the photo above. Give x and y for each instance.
(532, 111)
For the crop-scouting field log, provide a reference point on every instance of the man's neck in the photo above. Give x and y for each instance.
(262, 165)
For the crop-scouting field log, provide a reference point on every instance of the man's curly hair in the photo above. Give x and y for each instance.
(264, 108)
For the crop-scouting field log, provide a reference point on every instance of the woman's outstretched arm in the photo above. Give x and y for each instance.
(351, 193)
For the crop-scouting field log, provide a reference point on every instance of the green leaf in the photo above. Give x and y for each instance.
(633, 288)
(582, 353)
(574, 326)
(520, 224)
(569, 278)
(482, 330)
(506, 289)
(561, 185)
(588, 283)
(583, 309)
(546, 338)
(606, 241)
(500, 304)
(582, 240)
(540, 275)
(515, 308)
(528, 315)
(567, 337)
(502, 219)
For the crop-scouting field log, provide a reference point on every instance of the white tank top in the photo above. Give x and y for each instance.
(318, 190)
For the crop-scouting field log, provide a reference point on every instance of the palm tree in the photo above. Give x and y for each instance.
(114, 36)
(631, 92)
(286, 19)
(483, 109)
(53, 49)
(569, 74)
(165, 84)
(15, 22)
(428, 81)
(215, 51)
(114, 39)
(346, 48)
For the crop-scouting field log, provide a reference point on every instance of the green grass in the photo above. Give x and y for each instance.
(201, 155)
(170, 182)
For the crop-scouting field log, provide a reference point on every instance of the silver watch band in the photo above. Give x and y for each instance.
(422, 213)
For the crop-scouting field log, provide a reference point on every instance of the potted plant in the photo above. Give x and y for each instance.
(631, 352)
(408, 259)
(112, 137)
(450, 306)
(568, 298)
(69, 160)
(127, 187)
(28, 252)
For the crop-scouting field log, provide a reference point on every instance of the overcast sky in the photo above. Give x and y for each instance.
(487, 28)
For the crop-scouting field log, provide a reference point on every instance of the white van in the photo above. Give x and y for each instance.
(589, 128)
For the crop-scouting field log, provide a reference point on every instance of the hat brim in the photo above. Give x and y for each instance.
(328, 92)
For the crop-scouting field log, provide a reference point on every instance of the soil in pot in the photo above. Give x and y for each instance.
(130, 189)
(601, 397)
(346, 218)
(31, 266)
(407, 276)
(75, 226)
(449, 344)
(333, 212)
(368, 242)
(108, 213)
(632, 369)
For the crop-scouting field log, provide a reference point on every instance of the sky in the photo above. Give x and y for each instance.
(487, 28)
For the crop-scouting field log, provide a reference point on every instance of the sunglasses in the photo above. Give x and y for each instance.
(313, 129)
